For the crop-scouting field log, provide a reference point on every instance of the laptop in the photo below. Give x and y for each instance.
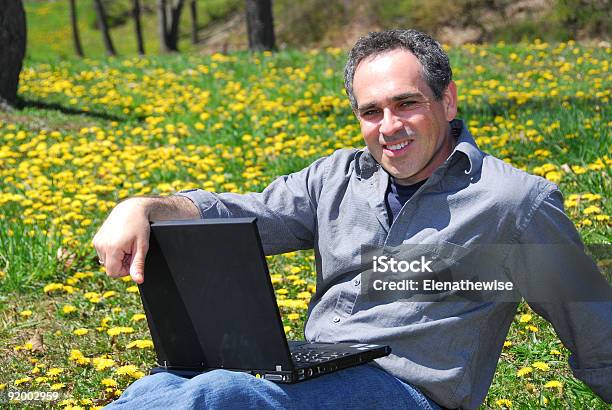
(210, 304)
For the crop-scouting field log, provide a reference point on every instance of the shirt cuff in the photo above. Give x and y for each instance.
(599, 380)
(204, 200)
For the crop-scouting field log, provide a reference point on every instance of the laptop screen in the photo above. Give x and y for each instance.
(208, 297)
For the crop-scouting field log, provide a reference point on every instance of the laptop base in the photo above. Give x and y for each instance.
(329, 357)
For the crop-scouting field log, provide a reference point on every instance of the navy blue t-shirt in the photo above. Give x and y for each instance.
(397, 195)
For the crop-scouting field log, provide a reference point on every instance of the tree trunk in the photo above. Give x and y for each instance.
(173, 32)
(12, 48)
(169, 19)
(193, 6)
(163, 18)
(138, 26)
(108, 42)
(75, 29)
(260, 25)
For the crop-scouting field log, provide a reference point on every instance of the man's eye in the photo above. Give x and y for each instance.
(369, 113)
(407, 103)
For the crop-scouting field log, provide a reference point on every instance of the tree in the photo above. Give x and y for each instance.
(108, 42)
(75, 28)
(169, 16)
(12, 48)
(138, 26)
(260, 25)
(193, 6)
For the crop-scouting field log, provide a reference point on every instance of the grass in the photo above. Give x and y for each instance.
(50, 33)
(93, 132)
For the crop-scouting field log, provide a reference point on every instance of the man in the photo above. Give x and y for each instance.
(421, 179)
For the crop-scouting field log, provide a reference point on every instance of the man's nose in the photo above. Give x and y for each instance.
(390, 123)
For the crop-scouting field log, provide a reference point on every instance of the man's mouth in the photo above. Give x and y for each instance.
(398, 147)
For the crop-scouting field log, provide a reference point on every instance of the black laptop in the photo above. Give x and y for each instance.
(210, 305)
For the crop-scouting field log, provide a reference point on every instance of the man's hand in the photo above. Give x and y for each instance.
(122, 241)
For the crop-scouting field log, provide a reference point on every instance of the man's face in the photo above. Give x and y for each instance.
(405, 128)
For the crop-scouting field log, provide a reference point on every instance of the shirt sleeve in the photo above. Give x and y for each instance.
(286, 210)
(573, 295)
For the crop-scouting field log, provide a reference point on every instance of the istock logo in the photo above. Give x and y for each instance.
(389, 264)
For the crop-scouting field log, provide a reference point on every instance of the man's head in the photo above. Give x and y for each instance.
(399, 84)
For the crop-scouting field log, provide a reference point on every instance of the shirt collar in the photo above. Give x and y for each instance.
(466, 146)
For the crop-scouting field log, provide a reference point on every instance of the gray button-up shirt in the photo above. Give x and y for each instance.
(449, 350)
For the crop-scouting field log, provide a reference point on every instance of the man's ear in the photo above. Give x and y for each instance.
(449, 101)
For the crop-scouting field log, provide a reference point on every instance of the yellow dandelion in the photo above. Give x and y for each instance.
(67, 309)
(80, 331)
(553, 384)
(138, 317)
(58, 386)
(54, 371)
(108, 382)
(102, 363)
(22, 380)
(141, 344)
(25, 313)
(541, 366)
(504, 403)
(525, 318)
(127, 369)
(593, 209)
(524, 371)
(53, 287)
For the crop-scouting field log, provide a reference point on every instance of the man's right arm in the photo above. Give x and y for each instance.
(123, 239)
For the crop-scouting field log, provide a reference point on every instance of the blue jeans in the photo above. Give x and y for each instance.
(360, 387)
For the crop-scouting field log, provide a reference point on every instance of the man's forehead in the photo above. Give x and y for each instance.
(388, 74)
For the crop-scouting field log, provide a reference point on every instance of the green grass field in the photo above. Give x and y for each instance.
(50, 33)
(94, 132)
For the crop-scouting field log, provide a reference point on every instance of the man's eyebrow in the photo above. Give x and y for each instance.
(366, 107)
(404, 96)
(398, 97)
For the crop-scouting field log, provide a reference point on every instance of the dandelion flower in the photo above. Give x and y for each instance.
(504, 403)
(138, 317)
(553, 384)
(108, 382)
(541, 366)
(524, 371)
(68, 309)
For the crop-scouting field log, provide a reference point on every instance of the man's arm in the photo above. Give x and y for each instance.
(285, 212)
(123, 239)
(563, 285)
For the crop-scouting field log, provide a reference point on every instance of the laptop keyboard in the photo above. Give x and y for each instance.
(315, 355)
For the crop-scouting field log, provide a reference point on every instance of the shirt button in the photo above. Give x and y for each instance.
(356, 282)
(336, 319)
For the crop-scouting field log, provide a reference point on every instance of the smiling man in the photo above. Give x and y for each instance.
(420, 180)
(404, 124)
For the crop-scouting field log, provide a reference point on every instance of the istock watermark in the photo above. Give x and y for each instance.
(498, 272)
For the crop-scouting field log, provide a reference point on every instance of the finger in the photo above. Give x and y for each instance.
(99, 249)
(114, 263)
(138, 262)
